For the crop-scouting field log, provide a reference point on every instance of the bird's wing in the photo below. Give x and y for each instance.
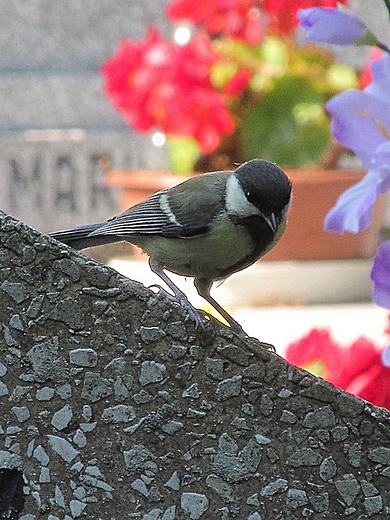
(145, 217)
(185, 210)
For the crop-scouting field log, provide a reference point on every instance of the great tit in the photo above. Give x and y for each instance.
(208, 227)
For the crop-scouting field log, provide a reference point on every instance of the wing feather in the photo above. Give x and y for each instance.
(186, 210)
(145, 218)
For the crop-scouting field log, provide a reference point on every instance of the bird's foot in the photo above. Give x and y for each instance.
(163, 291)
(236, 328)
(195, 314)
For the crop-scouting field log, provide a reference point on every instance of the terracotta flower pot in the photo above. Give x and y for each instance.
(314, 193)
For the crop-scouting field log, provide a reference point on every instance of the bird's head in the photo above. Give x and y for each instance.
(259, 187)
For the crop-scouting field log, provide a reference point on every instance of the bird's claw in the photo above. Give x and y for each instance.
(163, 291)
(194, 314)
(181, 300)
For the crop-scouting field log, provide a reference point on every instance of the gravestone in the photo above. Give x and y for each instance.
(55, 121)
(113, 406)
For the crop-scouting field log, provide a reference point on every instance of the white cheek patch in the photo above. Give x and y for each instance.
(236, 201)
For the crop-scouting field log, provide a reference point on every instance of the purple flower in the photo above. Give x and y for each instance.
(353, 209)
(381, 73)
(385, 357)
(380, 275)
(327, 25)
(361, 121)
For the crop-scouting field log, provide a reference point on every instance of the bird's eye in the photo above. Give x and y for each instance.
(247, 194)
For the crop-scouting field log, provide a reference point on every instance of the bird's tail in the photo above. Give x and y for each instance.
(80, 237)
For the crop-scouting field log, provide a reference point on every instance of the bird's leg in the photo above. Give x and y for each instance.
(203, 286)
(178, 296)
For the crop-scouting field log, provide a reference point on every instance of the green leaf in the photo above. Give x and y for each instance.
(341, 77)
(288, 125)
(221, 72)
(275, 52)
(183, 153)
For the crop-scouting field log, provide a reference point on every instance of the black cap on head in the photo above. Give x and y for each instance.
(265, 185)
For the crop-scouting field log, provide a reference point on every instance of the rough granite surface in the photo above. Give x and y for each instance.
(113, 406)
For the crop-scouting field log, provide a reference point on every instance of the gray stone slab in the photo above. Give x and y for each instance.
(54, 179)
(71, 35)
(50, 54)
(182, 444)
(42, 100)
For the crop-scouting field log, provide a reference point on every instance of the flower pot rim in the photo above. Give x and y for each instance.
(143, 178)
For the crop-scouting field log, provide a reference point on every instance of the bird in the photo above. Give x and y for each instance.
(207, 227)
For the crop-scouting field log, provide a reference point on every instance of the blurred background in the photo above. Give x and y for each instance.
(60, 137)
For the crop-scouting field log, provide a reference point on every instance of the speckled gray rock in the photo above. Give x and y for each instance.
(128, 411)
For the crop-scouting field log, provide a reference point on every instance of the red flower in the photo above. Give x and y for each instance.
(365, 76)
(282, 14)
(155, 83)
(366, 376)
(240, 19)
(357, 369)
(317, 353)
(238, 83)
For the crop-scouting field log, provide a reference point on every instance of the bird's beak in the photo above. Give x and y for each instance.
(272, 221)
